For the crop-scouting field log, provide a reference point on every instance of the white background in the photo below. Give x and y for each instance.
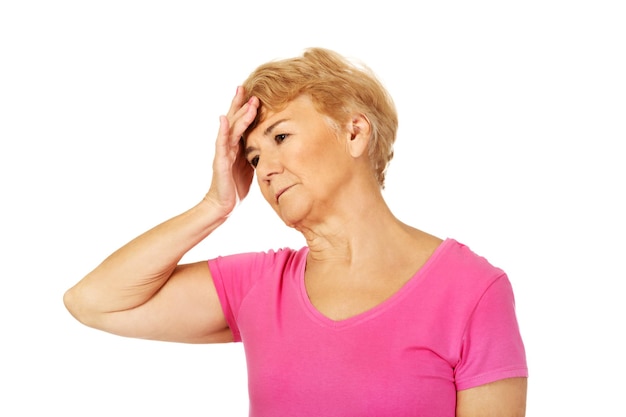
(512, 127)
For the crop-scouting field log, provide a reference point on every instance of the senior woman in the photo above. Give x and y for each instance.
(372, 317)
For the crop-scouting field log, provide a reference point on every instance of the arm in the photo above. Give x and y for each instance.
(141, 290)
(503, 398)
(492, 345)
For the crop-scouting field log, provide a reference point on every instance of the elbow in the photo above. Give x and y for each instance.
(69, 300)
(75, 304)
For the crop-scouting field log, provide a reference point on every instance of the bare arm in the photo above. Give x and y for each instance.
(504, 398)
(141, 290)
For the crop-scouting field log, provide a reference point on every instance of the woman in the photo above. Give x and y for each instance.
(371, 318)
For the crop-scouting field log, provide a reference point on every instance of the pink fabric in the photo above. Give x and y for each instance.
(451, 327)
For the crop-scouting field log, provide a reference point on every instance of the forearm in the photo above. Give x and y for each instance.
(131, 277)
(134, 273)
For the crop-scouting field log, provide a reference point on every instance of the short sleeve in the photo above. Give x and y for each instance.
(220, 287)
(492, 347)
(233, 277)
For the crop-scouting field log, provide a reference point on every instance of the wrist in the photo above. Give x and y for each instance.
(216, 207)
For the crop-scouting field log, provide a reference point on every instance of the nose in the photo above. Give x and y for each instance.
(268, 166)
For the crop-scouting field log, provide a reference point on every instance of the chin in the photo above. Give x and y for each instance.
(290, 221)
(292, 216)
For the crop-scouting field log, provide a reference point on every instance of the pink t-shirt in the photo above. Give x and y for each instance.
(451, 327)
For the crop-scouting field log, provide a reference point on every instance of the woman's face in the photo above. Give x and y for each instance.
(301, 162)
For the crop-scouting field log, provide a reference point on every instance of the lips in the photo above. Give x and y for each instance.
(281, 191)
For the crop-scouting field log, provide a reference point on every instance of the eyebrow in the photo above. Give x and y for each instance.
(266, 132)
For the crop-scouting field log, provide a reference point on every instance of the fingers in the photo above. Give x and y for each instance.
(237, 102)
(240, 115)
(223, 132)
(240, 108)
(232, 174)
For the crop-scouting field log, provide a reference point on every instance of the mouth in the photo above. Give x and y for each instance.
(281, 192)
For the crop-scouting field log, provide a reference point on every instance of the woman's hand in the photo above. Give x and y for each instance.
(232, 174)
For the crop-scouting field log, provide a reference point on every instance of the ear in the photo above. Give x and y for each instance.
(358, 133)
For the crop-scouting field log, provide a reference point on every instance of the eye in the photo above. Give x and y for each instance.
(280, 138)
(254, 161)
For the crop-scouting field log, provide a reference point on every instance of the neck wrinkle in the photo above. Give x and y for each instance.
(351, 239)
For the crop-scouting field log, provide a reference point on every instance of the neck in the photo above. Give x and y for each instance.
(361, 227)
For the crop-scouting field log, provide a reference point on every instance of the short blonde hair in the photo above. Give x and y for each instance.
(338, 88)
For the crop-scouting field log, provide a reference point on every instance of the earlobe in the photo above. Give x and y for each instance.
(359, 133)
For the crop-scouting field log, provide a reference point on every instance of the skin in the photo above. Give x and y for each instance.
(318, 180)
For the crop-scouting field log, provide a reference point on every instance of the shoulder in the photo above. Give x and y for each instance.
(236, 275)
(456, 275)
(272, 259)
(463, 264)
